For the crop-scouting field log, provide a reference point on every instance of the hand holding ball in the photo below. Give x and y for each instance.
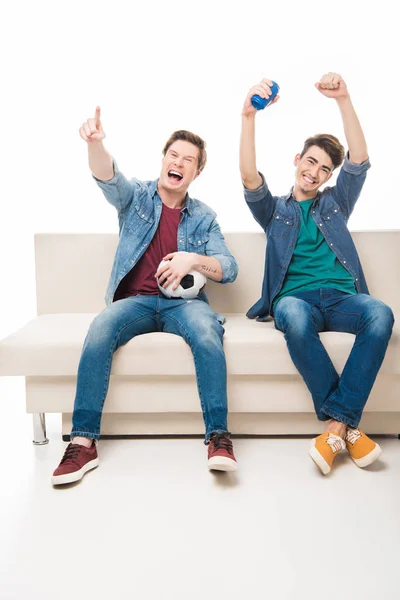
(190, 286)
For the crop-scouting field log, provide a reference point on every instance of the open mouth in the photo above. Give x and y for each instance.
(175, 175)
(308, 180)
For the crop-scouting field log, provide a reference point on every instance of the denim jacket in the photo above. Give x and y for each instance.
(279, 216)
(139, 210)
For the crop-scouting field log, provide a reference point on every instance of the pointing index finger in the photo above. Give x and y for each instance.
(97, 116)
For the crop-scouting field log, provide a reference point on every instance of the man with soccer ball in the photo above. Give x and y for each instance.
(158, 222)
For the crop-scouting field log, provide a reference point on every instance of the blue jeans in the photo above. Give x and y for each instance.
(302, 316)
(193, 320)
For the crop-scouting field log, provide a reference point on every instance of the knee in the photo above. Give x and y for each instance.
(379, 318)
(100, 330)
(207, 335)
(387, 317)
(294, 317)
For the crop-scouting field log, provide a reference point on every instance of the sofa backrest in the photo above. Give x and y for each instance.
(72, 270)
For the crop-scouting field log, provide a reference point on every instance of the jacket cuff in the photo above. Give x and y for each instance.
(229, 268)
(355, 169)
(112, 181)
(259, 193)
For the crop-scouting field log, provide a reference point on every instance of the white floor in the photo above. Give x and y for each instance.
(151, 522)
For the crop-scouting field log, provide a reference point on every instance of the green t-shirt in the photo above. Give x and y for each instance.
(314, 265)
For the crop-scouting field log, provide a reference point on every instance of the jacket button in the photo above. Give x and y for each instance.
(320, 224)
(344, 262)
(331, 244)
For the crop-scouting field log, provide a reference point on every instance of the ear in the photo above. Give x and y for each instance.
(329, 176)
(197, 174)
(296, 160)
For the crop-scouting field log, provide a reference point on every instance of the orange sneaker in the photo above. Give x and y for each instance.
(324, 449)
(361, 448)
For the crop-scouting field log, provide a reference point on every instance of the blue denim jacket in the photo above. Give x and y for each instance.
(279, 216)
(139, 209)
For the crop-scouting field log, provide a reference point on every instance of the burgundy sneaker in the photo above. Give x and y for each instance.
(77, 460)
(220, 453)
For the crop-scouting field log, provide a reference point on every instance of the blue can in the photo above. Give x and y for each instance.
(260, 103)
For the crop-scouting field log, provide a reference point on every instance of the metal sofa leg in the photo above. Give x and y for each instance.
(39, 429)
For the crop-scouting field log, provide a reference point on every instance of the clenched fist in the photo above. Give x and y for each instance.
(332, 85)
(92, 131)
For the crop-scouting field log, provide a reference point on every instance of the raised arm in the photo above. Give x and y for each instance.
(116, 188)
(248, 168)
(332, 85)
(100, 161)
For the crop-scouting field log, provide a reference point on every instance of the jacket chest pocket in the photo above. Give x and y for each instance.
(198, 243)
(143, 209)
(139, 219)
(334, 218)
(281, 225)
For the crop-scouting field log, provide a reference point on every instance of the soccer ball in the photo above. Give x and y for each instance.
(189, 287)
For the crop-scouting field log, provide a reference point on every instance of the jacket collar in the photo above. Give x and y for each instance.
(290, 196)
(188, 200)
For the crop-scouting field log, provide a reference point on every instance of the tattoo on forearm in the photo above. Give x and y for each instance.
(208, 269)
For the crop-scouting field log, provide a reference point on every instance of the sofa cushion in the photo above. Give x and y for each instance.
(51, 345)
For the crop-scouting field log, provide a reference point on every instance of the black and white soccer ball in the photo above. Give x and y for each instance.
(189, 287)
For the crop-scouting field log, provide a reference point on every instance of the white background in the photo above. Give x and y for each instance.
(155, 67)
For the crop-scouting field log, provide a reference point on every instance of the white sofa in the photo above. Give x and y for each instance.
(153, 388)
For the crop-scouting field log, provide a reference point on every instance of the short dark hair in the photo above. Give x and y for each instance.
(330, 144)
(188, 136)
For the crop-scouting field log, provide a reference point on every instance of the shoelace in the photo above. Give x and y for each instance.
(335, 442)
(352, 435)
(221, 441)
(71, 453)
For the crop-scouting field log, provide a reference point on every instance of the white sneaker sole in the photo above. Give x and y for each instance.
(367, 460)
(318, 459)
(221, 463)
(76, 475)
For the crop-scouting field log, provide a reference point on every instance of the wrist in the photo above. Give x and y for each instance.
(196, 261)
(248, 116)
(344, 100)
(96, 147)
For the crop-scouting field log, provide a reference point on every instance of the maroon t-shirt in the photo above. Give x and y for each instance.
(141, 280)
